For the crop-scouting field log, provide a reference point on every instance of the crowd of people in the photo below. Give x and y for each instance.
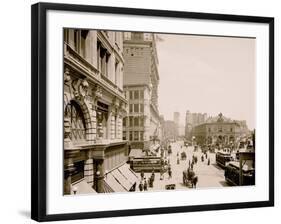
(144, 183)
(189, 175)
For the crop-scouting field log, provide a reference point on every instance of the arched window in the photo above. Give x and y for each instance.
(77, 122)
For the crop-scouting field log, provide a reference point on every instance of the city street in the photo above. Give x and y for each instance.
(208, 175)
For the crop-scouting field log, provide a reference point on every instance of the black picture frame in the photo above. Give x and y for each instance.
(39, 108)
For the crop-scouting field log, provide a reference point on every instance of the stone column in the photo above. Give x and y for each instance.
(68, 171)
(91, 132)
(99, 176)
(119, 127)
(69, 153)
(89, 170)
(112, 125)
(69, 168)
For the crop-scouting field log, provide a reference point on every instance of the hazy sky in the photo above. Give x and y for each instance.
(207, 74)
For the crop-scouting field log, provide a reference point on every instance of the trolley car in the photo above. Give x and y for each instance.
(147, 164)
(232, 174)
(222, 158)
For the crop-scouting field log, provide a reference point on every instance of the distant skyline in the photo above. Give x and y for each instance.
(205, 74)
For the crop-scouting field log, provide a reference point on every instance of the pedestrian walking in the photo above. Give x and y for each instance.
(141, 186)
(208, 161)
(153, 175)
(142, 174)
(170, 173)
(195, 159)
(202, 158)
(161, 174)
(145, 185)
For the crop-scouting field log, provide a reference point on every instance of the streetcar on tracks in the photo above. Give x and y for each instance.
(222, 158)
(148, 163)
(232, 174)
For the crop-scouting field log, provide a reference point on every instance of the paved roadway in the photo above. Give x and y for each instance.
(209, 176)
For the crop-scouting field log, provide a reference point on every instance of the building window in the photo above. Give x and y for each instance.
(209, 129)
(141, 108)
(136, 95)
(141, 135)
(131, 136)
(141, 94)
(77, 122)
(141, 121)
(79, 40)
(136, 135)
(102, 120)
(124, 121)
(83, 48)
(231, 129)
(131, 123)
(131, 108)
(116, 127)
(116, 73)
(136, 121)
(131, 95)
(65, 35)
(124, 135)
(103, 58)
(136, 108)
(76, 40)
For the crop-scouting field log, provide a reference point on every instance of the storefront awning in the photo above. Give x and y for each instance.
(121, 179)
(128, 173)
(114, 184)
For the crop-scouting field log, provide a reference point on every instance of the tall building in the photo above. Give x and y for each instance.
(170, 130)
(192, 120)
(94, 107)
(141, 79)
(177, 118)
(177, 123)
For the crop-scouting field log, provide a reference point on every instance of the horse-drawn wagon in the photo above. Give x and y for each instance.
(189, 178)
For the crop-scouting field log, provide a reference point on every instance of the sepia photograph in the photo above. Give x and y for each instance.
(150, 112)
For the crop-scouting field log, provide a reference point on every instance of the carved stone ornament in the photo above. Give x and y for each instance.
(80, 87)
(97, 93)
(83, 88)
(115, 103)
(66, 76)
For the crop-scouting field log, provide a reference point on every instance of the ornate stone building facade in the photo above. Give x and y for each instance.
(94, 107)
(220, 130)
(142, 126)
